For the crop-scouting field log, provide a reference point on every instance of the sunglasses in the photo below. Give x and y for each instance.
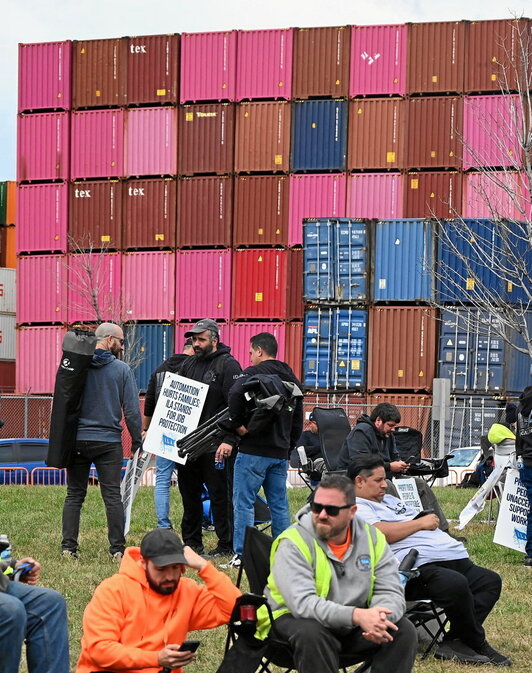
(331, 510)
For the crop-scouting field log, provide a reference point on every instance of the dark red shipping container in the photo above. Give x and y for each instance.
(261, 210)
(205, 212)
(293, 347)
(434, 132)
(294, 302)
(152, 69)
(263, 137)
(99, 73)
(95, 215)
(206, 138)
(321, 62)
(433, 194)
(7, 383)
(150, 208)
(376, 133)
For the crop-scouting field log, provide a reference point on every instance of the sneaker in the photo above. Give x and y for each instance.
(219, 551)
(70, 554)
(117, 556)
(456, 650)
(527, 562)
(494, 657)
(235, 562)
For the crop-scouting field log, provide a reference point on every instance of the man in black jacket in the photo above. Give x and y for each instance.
(523, 447)
(262, 458)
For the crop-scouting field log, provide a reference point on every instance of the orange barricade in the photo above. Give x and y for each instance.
(11, 476)
(48, 476)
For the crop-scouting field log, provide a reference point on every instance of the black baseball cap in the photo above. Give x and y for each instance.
(162, 547)
(201, 326)
(311, 417)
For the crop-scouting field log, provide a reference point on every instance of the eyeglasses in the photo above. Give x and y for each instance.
(331, 510)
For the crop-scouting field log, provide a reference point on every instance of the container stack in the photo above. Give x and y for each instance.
(7, 286)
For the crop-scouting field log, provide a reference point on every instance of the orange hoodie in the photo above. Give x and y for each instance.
(126, 623)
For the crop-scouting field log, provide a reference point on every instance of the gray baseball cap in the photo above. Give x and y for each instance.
(201, 326)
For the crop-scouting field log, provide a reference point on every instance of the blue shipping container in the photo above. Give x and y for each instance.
(403, 258)
(151, 345)
(319, 135)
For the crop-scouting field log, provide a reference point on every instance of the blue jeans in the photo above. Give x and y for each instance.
(525, 474)
(161, 494)
(252, 472)
(39, 617)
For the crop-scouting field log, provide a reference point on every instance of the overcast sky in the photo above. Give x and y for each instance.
(50, 20)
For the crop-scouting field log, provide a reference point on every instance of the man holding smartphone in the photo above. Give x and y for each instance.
(138, 619)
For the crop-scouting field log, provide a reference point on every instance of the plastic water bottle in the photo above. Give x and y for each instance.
(219, 464)
(5, 550)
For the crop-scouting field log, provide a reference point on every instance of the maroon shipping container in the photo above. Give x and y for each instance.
(95, 215)
(415, 409)
(263, 137)
(437, 53)
(321, 62)
(205, 212)
(149, 214)
(206, 138)
(7, 385)
(293, 347)
(434, 194)
(99, 73)
(434, 132)
(402, 348)
(152, 69)
(294, 302)
(376, 133)
(261, 210)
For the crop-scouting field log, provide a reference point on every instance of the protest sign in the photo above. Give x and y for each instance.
(408, 493)
(510, 530)
(135, 470)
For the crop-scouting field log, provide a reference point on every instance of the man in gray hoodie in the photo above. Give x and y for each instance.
(110, 390)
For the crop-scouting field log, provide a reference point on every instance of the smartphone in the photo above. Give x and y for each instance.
(423, 512)
(189, 646)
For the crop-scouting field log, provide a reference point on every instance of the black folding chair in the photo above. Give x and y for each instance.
(333, 428)
(426, 616)
(409, 442)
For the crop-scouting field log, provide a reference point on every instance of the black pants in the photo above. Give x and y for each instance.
(464, 590)
(317, 648)
(190, 479)
(107, 458)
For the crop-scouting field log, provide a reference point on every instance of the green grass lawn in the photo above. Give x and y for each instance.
(31, 516)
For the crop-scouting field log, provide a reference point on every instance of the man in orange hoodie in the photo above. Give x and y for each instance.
(139, 617)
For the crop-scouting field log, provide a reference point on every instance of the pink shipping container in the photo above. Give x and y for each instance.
(203, 284)
(148, 285)
(42, 289)
(494, 195)
(39, 351)
(377, 195)
(264, 64)
(208, 66)
(44, 76)
(151, 141)
(106, 272)
(97, 144)
(42, 218)
(378, 60)
(43, 151)
(241, 333)
(491, 128)
(314, 196)
(182, 327)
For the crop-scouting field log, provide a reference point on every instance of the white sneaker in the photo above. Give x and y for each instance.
(235, 562)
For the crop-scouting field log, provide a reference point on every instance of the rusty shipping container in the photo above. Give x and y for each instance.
(433, 194)
(294, 301)
(293, 347)
(321, 62)
(402, 348)
(205, 212)
(263, 137)
(206, 138)
(415, 409)
(95, 220)
(376, 133)
(152, 69)
(261, 210)
(434, 132)
(437, 53)
(99, 73)
(149, 219)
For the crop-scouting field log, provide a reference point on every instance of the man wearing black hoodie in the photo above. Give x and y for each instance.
(262, 458)
(523, 448)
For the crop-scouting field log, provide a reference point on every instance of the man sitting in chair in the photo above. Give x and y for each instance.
(447, 576)
(334, 588)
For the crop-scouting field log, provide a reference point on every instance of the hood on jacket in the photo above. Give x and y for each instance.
(101, 358)
(525, 401)
(131, 567)
(364, 419)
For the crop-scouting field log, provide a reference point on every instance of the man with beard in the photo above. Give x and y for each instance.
(212, 363)
(334, 588)
(138, 618)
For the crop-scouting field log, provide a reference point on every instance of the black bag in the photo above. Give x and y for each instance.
(268, 396)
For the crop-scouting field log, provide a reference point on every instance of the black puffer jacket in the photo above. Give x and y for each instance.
(523, 439)
(365, 439)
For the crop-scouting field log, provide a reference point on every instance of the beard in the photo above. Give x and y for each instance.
(164, 588)
(328, 531)
(203, 352)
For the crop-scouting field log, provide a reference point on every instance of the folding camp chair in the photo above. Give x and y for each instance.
(409, 442)
(333, 428)
(430, 619)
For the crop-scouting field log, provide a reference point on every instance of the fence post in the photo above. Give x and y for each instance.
(26, 414)
(441, 397)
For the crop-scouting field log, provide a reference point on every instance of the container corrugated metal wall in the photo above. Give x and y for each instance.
(8, 291)
(263, 137)
(151, 141)
(152, 344)
(205, 211)
(206, 138)
(105, 269)
(402, 259)
(150, 208)
(241, 333)
(42, 218)
(402, 348)
(8, 382)
(203, 284)
(7, 336)
(39, 351)
(494, 195)
(42, 289)
(313, 196)
(97, 144)
(470, 418)
(261, 210)
(95, 215)
(208, 66)
(294, 347)
(11, 202)
(99, 73)
(264, 63)
(434, 132)
(375, 195)
(260, 287)
(153, 298)
(294, 301)
(44, 76)
(321, 62)
(43, 146)
(376, 133)
(8, 257)
(153, 69)
(319, 135)
(378, 60)
(433, 194)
